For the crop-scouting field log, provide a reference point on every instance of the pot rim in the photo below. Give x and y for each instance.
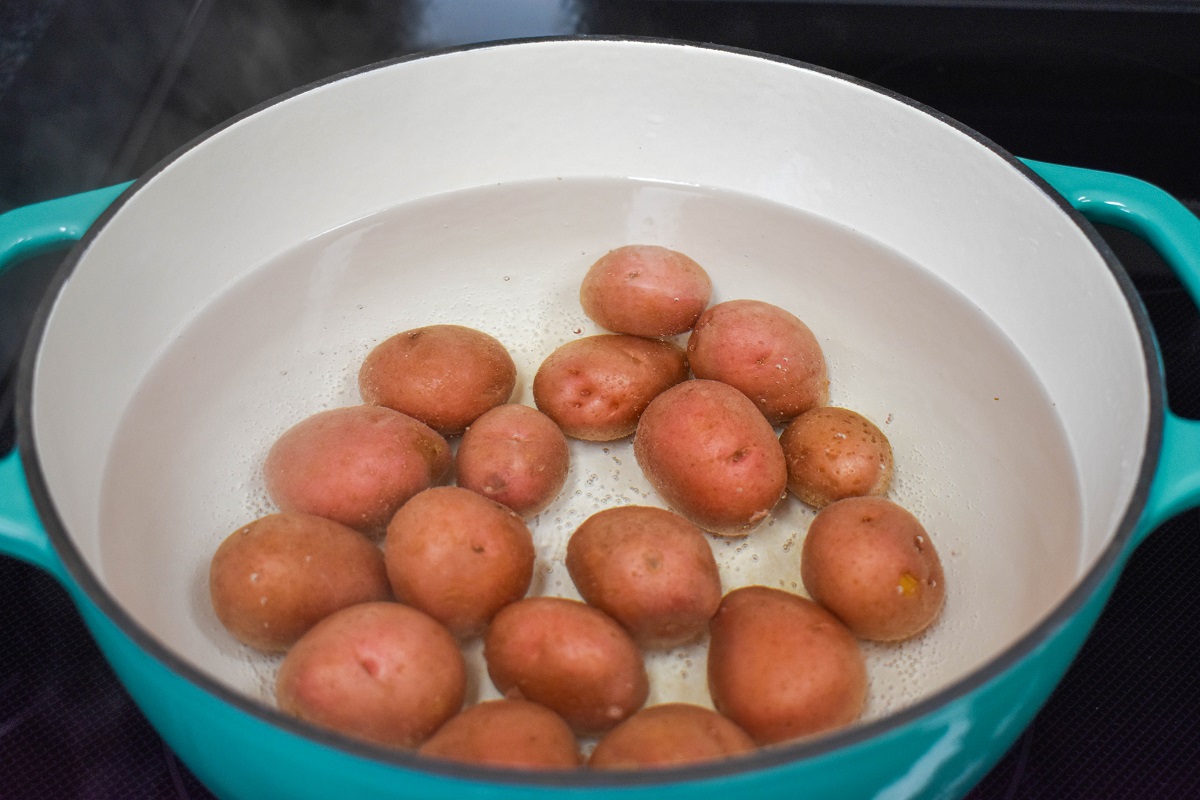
(1107, 563)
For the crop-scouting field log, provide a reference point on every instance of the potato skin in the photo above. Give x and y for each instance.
(765, 352)
(670, 734)
(645, 290)
(871, 563)
(596, 388)
(571, 658)
(383, 672)
(649, 569)
(712, 456)
(833, 453)
(273, 579)
(780, 666)
(516, 456)
(458, 557)
(444, 375)
(355, 465)
(511, 733)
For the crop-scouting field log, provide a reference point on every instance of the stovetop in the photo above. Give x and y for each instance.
(93, 92)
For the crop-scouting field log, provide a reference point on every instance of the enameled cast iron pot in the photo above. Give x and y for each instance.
(959, 293)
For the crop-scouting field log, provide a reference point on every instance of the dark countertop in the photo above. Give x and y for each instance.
(96, 91)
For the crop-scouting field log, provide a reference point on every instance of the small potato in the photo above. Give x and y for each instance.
(571, 658)
(516, 456)
(354, 465)
(649, 569)
(765, 352)
(833, 453)
(597, 387)
(780, 666)
(670, 734)
(645, 290)
(444, 375)
(458, 557)
(382, 672)
(712, 456)
(272, 580)
(511, 733)
(871, 563)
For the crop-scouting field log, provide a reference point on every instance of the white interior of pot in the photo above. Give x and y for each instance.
(958, 306)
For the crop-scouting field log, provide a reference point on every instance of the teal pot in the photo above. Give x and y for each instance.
(962, 298)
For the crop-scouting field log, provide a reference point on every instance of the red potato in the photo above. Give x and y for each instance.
(871, 563)
(781, 667)
(712, 456)
(354, 465)
(649, 569)
(597, 387)
(833, 453)
(765, 352)
(516, 456)
(645, 290)
(668, 735)
(273, 579)
(447, 376)
(571, 658)
(510, 733)
(458, 557)
(382, 672)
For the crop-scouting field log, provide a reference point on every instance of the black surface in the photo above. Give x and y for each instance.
(95, 91)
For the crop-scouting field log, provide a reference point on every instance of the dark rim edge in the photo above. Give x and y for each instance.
(767, 758)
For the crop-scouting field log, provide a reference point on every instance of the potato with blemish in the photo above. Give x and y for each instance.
(764, 351)
(833, 453)
(447, 376)
(273, 579)
(509, 733)
(649, 569)
(782, 667)
(572, 658)
(516, 456)
(458, 557)
(355, 465)
(668, 735)
(645, 290)
(596, 388)
(382, 672)
(872, 564)
(712, 456)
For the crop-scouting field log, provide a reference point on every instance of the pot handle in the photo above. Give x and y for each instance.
(26, 232)
(35, 229)
(1174, 231)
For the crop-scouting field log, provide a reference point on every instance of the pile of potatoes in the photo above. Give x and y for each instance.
(390, 550)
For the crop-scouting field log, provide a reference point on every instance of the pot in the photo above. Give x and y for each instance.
(960, 295)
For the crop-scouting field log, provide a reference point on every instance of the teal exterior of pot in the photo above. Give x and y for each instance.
(939, 755)
(939, 748)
